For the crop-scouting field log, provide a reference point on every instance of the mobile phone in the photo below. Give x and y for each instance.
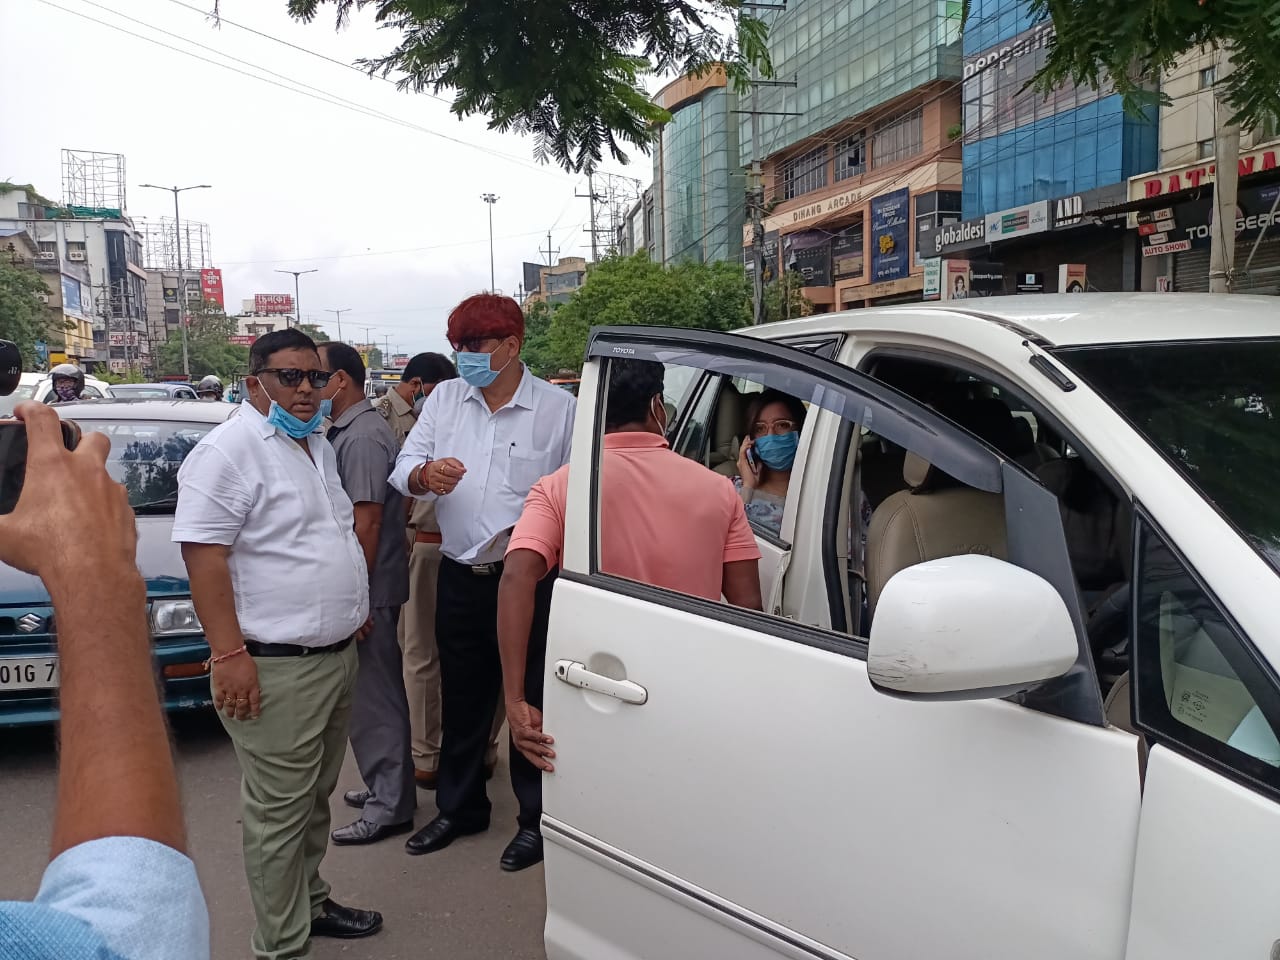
(13, 457)
(752, 461)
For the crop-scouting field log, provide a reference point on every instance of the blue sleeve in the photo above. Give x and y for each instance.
(119, 898)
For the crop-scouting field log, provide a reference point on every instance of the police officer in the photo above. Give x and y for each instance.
(68, 383)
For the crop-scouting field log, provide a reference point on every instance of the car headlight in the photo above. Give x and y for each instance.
(173, 617)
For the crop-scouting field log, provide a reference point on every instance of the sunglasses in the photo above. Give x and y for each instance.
(292, 376)
(475, 344)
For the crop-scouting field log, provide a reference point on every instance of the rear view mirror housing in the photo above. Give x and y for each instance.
(968, 628)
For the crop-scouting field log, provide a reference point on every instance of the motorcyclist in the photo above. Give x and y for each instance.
(210, 388)
(68, 383)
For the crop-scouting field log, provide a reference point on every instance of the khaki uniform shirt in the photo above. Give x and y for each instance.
(401, 417)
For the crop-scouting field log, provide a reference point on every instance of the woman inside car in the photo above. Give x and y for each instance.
(774, 420)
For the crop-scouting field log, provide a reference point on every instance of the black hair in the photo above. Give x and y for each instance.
(429, 368)
(632, 386)
(344, 357)
(290, 338)
(794, 407)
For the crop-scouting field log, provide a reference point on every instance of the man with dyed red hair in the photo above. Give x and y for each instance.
(480, 443)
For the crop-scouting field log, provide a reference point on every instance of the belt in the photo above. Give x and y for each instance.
(257, 649)
(479, 569)
(427, 536)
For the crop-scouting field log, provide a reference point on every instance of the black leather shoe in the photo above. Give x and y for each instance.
(366, 831)
(357, 798)
(523, 851)
(345, 923)
(438, 834)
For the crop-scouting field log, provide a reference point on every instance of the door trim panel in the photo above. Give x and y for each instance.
(703, 902)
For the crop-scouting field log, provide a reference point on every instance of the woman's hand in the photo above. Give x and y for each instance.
(747, 470)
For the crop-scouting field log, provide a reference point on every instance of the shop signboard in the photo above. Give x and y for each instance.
(1031, 282)
(808, 253)
(399, 361)
(933, 278)
(71, 299)
(1194, 218)
(211, 286)
(890, 235)
(242, 339)
(985, 279)
(1017, 221)
(955, 279)
(1073, 278)
(770, 257)
(847, 258)
(959, 236)
(273, 303)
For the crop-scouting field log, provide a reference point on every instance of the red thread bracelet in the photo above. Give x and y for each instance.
(225, 656)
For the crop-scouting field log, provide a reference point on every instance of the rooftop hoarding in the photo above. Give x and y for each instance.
(273, 303)
(211, 286)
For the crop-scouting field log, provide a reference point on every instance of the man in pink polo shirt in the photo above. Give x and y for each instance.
(665, 521)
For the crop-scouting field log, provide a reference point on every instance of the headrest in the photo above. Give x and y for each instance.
(915, 470)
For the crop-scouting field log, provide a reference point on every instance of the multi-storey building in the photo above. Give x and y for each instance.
(861, 157)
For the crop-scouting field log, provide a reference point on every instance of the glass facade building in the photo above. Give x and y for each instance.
(847, 57)
(702, 186)
(1020, 146)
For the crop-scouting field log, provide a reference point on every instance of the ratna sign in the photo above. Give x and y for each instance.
(211, 286)
(273, 303)
(1017, 222)
(1188, 178)
(890, 258)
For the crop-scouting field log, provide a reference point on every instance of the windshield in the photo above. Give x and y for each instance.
(145, 456)
(25, 391)
(1213, 408)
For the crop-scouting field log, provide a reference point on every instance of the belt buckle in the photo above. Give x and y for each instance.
(484, 569)
(306, 651)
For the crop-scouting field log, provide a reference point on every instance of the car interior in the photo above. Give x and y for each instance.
(900, 510)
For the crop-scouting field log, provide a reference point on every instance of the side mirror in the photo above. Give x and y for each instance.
(968, 628)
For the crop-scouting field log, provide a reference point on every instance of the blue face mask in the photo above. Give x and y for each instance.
(778, 452)
(477, 369)
(278, 416)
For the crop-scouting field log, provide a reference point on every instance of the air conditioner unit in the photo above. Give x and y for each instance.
(45, 297)
(75, 255)
(47, 255)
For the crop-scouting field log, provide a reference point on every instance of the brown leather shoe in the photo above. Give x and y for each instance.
(426, 779)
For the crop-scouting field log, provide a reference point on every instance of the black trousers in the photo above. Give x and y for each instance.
(470, 686)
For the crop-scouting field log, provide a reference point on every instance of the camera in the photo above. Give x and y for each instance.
(10, 367)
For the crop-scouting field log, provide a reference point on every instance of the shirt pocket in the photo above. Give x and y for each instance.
(525, 468)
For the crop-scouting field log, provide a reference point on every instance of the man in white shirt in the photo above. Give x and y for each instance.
(279, 582)
(480, 444)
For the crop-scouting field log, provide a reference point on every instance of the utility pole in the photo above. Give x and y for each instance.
(182, 285)
(1222, 233)
(297, 296)
(338, 314)
(549, 251)
(591, 196)
(490, 199)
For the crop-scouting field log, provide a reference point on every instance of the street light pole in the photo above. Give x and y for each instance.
(182, 286)
(297, 298)
(339, 314)
(490, 199)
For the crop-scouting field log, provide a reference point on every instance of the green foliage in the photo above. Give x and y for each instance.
(635, 290)
(569, 72)
(783, 299)
(207, 348)
(314, 332)
(23, 315)
(33, 195)
(1130, 44)
(375, 359)
(131, 376)
(537, 353)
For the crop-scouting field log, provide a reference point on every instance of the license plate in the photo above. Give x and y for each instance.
(28, 673)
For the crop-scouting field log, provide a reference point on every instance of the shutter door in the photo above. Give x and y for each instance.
(1191, 269)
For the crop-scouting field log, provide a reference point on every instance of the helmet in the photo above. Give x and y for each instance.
(210, 385)
(65, 372)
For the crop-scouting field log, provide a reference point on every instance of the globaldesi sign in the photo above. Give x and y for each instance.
(273, 303)
(962, 234)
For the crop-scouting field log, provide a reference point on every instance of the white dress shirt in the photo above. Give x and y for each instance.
(297, 569)
(505, 452)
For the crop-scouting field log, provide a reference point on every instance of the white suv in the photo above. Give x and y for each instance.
(39, 386)
(1014, 692)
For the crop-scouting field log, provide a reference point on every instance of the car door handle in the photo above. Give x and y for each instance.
(577, 675)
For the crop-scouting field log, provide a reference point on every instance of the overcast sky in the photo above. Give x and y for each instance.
(297, 183)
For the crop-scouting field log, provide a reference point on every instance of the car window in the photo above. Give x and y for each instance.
(1199, 681)
(145, 457)
(90, 392)
(695, 425)
(185, 395)
(24, 391)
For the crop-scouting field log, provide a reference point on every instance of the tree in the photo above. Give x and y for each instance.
(537, 353)
(635, 290)
(1129, 44)
(375, 359)
(208, 349)
(24, 317)
(314, 332)
(569, 73)
(777, 295)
